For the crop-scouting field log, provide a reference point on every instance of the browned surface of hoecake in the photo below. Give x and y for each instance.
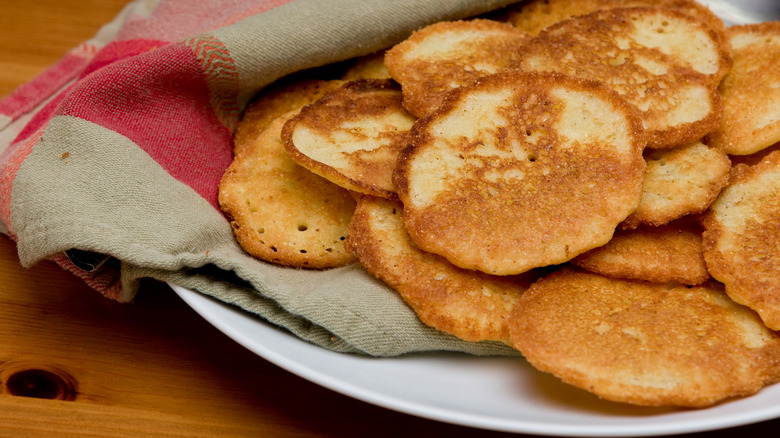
(279, 211)
(751, 91)
(665, 63)
(519, 170)
(352, 136)
(468, 304)
(447, 55)
(679, 182)
(742, 238)
(644, 343)
(667, 253)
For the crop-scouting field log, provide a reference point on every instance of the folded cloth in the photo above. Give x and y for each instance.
(112, 157)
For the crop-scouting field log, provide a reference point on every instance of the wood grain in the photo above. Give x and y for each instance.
(36, 34)
(152, 367)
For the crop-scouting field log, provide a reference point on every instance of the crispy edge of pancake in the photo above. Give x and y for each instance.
(328, 115)
(668, 253)
(276, 100)
(307, 203)
(427, 80)
(741, 239)
(750, 91)
(475, 229)
(470, 305)
(679, 182)
(644, 343)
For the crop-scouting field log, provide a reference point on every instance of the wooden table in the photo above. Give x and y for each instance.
(73, 363)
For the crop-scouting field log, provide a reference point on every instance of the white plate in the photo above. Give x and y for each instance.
(497, 394)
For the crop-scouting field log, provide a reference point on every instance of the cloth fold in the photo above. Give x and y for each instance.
(111, 169)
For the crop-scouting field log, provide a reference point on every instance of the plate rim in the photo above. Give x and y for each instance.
(211, 309)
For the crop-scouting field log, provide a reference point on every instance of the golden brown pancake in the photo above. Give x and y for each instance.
(679, 182)
(742, 238)
(751, 91)
(447, 55)
(281, 212)
(470, 305)
(644, 343)
(534, 15)
(669, 253)
(352, 135)
(665, 63)
(278, 99)
(521, 170)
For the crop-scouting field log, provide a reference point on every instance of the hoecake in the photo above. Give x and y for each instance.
(644, 343)
(521, 170)
(751, 91)
(665, 63)
(471, 305)
(279, 211)
(352, 135)
(450, 54)
(742, 238)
